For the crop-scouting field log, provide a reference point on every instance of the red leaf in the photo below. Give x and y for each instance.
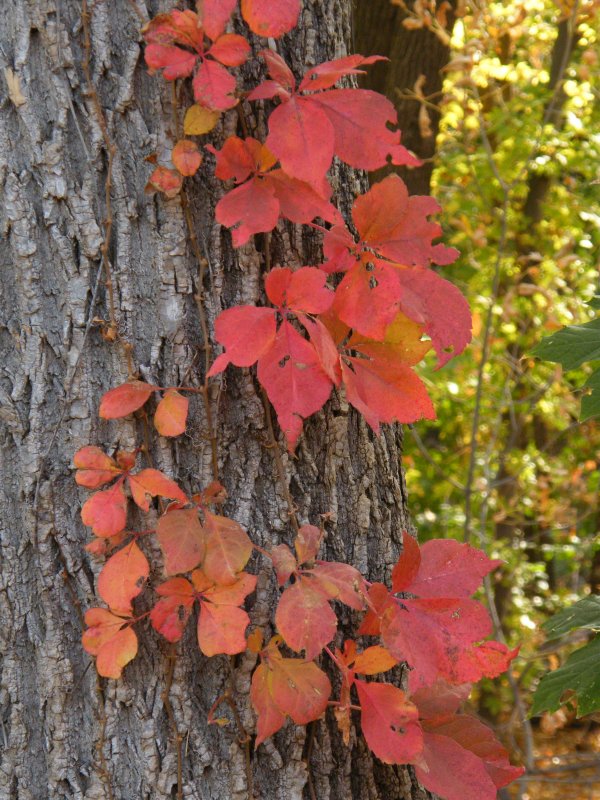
(360, 120)
(186, 157)
(440, 307)
(385, 392)
(106, 638)
(327, 74)
(485, 660)
(171, 613)
(296, 385)
(228, 549)
(231, 49)
(266, 18)
(303, 290)
(240, 158)
(154, 483)
(94, 467)
(286, 687)
(106, 512)
(396, 225)
(122, 578)
(453, 772)
(447, 569)
(304, 618)
(182, 539)
(214, 15)
(175, 27)
(408, 565)
(177, 63)
(433, 636)
(368, 297)
(340, 582)
(171, 414)
(164, 180)
(248, 209)
(300, 202)
(302, 137)
(214, 87)
(247, 333)
(389, 723)
(474, 736)
(125, 399)
(284, 562)
(307, 543)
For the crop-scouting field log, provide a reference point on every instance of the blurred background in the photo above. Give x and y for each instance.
(502, 101)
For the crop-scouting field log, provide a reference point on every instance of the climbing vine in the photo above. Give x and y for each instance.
(361, 320)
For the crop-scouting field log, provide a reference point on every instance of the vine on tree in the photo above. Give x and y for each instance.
(364, 332)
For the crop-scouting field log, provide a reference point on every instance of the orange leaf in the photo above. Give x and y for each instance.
(340, 582)
(182, 539)
(228, 549)
(171, 414)
(304, 618)
(106, 638)
(186, 157)
(122, 578)
(286, 687)
(221, 629)
(164, 180)
(106, 512)
(284, 562)
(373, 660)
(125, 399)
(154, 483)
(94, 468)
(172, 612)
(307, 543)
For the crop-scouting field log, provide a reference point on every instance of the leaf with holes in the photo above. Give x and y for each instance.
(307, 130)
(171, 613)
(153, 483)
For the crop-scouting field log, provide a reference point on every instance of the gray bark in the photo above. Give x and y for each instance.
(63, 734)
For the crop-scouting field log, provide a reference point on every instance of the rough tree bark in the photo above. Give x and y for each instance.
(63, 734)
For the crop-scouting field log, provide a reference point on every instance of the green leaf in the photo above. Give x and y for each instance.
(590, 403)
(571, 346)
(581, 674)
(594, 302)
(583, 614)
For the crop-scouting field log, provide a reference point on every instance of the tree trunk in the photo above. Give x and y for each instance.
(416, 60)
(64, 733)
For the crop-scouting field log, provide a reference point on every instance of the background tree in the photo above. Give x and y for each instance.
(101, 282)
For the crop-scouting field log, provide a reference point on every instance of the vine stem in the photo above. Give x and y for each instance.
(166, 698)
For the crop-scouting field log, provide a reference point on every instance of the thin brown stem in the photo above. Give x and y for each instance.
(165, 696)
(274, 445)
